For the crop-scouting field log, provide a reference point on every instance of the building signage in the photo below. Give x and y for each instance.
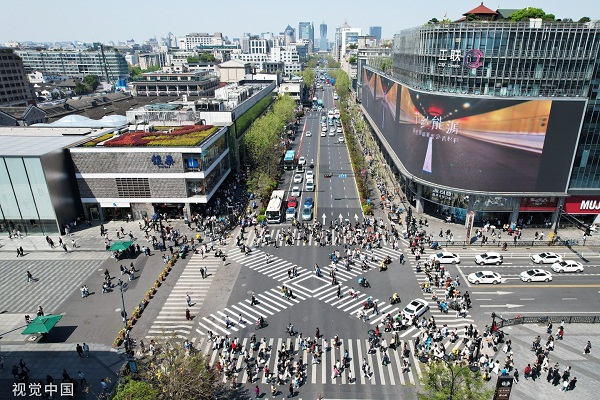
(454, 58)
(547, 204)
(158, 161)
(503, 387)
(582, 205)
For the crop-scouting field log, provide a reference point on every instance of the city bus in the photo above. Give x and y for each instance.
(275, 208)
(289, 161)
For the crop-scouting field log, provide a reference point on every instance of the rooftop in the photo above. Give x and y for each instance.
(35, 142)
(185, 136)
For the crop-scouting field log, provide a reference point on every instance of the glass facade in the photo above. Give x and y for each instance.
(25, 203)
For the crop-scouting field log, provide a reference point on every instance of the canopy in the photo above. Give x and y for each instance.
(120, 245)
(43, 324)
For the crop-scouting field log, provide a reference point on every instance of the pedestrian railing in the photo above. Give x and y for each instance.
(518, 243)
(520, 320)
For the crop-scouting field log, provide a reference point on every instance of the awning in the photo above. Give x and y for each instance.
(116, 246)
(43, 324)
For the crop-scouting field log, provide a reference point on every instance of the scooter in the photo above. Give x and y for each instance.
(394, 299)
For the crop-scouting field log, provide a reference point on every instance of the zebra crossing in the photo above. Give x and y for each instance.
(393, 373)
(52, 283)
(171, 320)
(278, 234)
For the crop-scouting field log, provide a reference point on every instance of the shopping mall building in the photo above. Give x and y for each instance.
(498, 118)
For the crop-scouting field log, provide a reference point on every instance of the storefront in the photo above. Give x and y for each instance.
(537, 211)
(585, 208)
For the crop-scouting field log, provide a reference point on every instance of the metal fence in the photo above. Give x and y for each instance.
(520, 320)
(519, 243)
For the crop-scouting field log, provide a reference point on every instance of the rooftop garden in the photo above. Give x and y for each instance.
(186, 136)
(99, 139)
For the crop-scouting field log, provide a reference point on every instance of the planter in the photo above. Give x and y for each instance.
(148, 296)
(118, 341)
(156, 285)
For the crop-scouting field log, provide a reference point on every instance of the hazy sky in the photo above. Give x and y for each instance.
(119, 20)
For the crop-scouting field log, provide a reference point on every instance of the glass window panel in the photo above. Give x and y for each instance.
(39, 188)
(20, 183)
(10, 209)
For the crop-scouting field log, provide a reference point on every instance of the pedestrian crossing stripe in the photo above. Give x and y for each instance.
(392, 374)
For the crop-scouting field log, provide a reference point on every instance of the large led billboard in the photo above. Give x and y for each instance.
(477, 143)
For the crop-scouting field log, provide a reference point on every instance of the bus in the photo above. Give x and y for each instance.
(275, 208)
(289, 161)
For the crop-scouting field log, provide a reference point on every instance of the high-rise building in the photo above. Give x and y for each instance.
(290, 35)
(76, 63)
(345, 36)
(306, 31)
(14, 88)
(323, 38)
(519, 135)
(375, 31)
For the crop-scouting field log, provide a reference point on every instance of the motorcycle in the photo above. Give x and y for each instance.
(363, 282)
(442, 306)
(260, 323)
(368, 304)
(394, 299)
(387, 260)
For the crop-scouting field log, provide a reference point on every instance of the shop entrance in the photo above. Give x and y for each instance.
(173, 210)
(115, 213)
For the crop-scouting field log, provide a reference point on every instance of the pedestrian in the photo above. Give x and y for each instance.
(339, 292)
(516, 376)
(572, 383)
(318, 333)
(257, 392)
(21, 251)
(86, 350)
(65, 375)
(79, 350)
(104, 386)
(64, 246)
(253, 300)
(565, 386)
(188, 299)
(349, 375)
(188, 316)
(73, 243)
(291, 388)
(29, 277)
(202, 272)
(18, 252)
(588, 348)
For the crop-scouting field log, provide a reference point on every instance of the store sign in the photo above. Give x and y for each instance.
(454, 59)
(582, 205)
(158, 161)
(547, 204)
(503, 388)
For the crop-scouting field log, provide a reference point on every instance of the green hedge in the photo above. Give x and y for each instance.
(244, 121)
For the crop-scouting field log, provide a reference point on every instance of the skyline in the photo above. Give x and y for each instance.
(40, 23)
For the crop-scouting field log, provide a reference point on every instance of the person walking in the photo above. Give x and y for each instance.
(79, 350)
(29, 277)
(257, 392)
(188, 299)
(73, 243)
(82, 380)
(291, 389)
(86, 350)
(188, 316)
(572, 383)
(588, 348)
(21, 251)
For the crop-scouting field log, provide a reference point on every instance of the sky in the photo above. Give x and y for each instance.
(119, 20)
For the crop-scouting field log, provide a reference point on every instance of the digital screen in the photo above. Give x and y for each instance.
(477, 143)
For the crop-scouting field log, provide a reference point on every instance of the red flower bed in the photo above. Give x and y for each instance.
(142, 139)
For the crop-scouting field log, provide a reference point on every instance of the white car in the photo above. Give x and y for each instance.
(339, 129)
(324, 132)
(489, 258)
(310, 175)
(298, 178)
(323, 129)
(307, 214)
(310, 186)
(340, 139)
(415, 309)
(484, 277)
(308, 133)
(290, 214)
(546, 258)
(302, 161)
(567, 266)
(445, 257)
(295, 191)
(536, 275)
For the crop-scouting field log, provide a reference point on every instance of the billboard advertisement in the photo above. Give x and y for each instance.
(477, 143)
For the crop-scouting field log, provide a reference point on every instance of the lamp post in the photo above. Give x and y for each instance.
(123, 288)
(161, 232)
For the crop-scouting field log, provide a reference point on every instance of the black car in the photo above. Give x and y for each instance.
(394, 217)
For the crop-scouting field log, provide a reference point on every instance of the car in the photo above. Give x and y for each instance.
(484, 277)
(298, 178)
(394, 217)
(324, 128)
(415, 309)
(302, 161)
(307, 214)
(567, 266)
(445, 257)
(309, 202)
(324, 133)
(536, 275)
(292, 202)
(296, 191)
(290, 213)
(310, 175)
(332, 132)
(339, 129)
(489, 258)
(310, 186)
(308, 134)
(546, 258)
(327, 175)
(340, 139)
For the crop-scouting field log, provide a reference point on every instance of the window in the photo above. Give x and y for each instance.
(133, 187)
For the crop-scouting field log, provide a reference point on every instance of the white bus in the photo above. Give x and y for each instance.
(275, 208)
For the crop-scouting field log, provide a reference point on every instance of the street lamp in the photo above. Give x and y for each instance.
(123, 288)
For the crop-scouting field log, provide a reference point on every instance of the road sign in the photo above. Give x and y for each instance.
(343, 176)
(341, 218)
(356, 217)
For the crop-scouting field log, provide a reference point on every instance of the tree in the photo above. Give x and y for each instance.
(526, 13)
(433, 21)
(172, 373)
(135, 390)
(583, 20)
(473, 17)
(193, 59)
(80, 89)
(352, 60)
(91, 81)
(308, 75)
(437, 383)
(205, 56)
